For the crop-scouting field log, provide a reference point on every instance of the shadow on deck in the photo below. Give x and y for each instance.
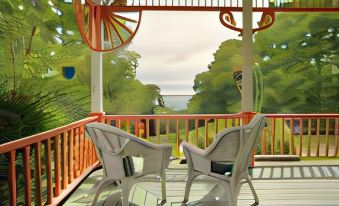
(296, 183)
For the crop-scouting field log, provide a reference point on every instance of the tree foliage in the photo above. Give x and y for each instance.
(299, 67)
(215, 89)
(301, 72)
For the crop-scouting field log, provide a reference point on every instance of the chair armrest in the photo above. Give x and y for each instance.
(155, 157)
(197, 159)
(193, 149)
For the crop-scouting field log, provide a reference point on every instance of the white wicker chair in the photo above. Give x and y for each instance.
(231, 146)
(116, 150)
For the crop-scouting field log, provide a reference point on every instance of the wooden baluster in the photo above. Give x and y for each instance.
(38, 182)
(177, 130)
(89, 162)
(206, 133)
(49, 171)
(309, 132)
(56, 166)
(282, 141)
(292, 137)
(327, 135)
(158, 130)
(318, 137)
(301, 127)
(88, 153)
(336, 136)
(119, 123)
(167, 129)
(136, 128)
(27, 166)
(226, 123)
(77, 152)
(64, 160)
(187, 129)
(264, 142)
(85, 153)
(273, 137)
(216, 126)
(95, 158)
(196, 124)
(12, 178)
(128, 125)
(82, 146)
(71, 156)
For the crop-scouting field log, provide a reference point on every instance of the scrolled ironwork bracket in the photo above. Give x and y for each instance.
(227, 19)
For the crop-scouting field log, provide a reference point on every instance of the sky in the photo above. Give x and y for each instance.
(176, 46)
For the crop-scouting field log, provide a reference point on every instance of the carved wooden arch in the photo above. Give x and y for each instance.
(103, 28)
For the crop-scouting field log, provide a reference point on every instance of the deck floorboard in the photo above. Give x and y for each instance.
(295, 185)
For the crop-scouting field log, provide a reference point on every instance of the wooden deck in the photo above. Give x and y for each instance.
(287, 184)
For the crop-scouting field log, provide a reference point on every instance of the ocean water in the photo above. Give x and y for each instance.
(176, 102)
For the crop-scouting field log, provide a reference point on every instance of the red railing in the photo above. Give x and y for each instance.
(302, 134)
(59, 158)
(196, 129)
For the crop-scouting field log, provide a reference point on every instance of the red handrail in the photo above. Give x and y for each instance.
(304, 116)
(74, 158)
(26, 141)
(74, 155)
(281, 136)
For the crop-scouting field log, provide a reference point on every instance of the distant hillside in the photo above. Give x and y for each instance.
(176, 102)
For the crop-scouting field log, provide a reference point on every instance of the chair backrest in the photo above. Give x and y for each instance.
(226, 145)
(249, 136)
(108, 141)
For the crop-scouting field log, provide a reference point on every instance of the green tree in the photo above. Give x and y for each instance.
(123, 93)
(300, 66)
(216, 91)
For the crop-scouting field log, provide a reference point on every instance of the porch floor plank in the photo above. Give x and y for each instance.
(296, 185)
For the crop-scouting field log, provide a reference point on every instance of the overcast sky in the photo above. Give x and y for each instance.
(175, 46)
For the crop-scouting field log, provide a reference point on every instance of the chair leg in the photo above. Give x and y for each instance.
(99, 188)
(163, 188)
(125, 190)
(256, 199)
(191, 176)
(231, 195)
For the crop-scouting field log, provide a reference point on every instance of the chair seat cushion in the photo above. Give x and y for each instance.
(221, 168)
(128, 166)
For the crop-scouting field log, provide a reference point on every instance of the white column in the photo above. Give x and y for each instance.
(96, 82)
(247, 54)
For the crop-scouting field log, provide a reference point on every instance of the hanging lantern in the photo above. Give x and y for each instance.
(68, 72)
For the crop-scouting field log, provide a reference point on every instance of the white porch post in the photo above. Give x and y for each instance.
(96, 82)
(96, 79)
(247, 53)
